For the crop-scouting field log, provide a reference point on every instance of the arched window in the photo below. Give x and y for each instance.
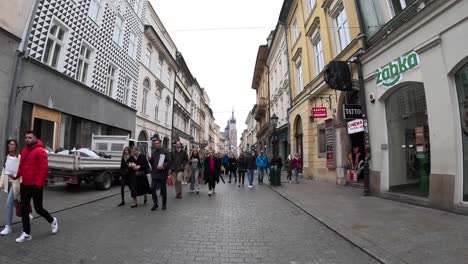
(168, 100)
(149, 51)
(146, 89)
(146, 84)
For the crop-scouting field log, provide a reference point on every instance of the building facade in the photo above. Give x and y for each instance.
(86, 52)
(195, 121)
(318, 33)
(156, 81)
(279, 91)
(413, 67)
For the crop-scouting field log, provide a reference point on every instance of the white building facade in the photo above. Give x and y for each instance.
(195, 119)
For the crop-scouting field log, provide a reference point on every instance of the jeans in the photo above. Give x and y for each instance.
(296, 173)
(9, 206)
(194, 180)
(35, 193)
(250, 176)
(261, 173)
(155, 183)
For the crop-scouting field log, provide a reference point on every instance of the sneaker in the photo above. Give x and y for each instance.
(54, 226)
(7, 230)
(250, 186)
(155, 206)
(163, 207)
(198, 191)
(23, 237)
(209, 193)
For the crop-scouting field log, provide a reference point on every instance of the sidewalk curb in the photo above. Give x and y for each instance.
(365, 246)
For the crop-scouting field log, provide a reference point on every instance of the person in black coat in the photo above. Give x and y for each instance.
(159, 174)
(124, 171)
(212, 170)
(232, 167)
(241, 168)
(138, 182)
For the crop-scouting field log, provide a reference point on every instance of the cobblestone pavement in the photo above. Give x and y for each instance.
(237, 225)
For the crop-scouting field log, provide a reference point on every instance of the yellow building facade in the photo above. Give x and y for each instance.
(319, 31)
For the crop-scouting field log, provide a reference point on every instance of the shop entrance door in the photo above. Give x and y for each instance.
(409, 149)
(45, 130)
(46, 125)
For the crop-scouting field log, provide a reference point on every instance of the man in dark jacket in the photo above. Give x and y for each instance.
(212, 170)
(179, 160)
(251, 164)
(159, 173)
(33, 169)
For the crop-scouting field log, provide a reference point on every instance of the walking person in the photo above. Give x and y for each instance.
(124, 171)
(159, 173)
(33, 169)
(232, 168)
(225, 163)
(179, 160)
(262, 163)
(11, 186)
(250, 166)
(279, 163)
(196, 165)
(241, 168)
(296, 165)
(137, 180)
(212, 168)
(288, 168)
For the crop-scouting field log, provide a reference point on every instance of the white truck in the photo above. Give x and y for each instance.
(79, 167)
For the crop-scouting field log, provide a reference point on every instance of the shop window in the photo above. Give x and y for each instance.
(461, 79)
(322, 143)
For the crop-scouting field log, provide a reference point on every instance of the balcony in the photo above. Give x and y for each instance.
(261, 109)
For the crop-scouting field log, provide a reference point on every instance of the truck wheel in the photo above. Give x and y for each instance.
(106, 182)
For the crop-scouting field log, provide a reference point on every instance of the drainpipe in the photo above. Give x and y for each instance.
(20, 54)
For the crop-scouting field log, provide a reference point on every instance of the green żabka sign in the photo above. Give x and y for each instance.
(392, 74)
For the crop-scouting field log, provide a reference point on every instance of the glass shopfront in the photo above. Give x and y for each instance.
(461, 79)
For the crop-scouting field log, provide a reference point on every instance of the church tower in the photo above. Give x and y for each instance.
(232, 134)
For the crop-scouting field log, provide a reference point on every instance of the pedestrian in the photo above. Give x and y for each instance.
(212, 168)
(232, 167)
(11, 186)
(288, 168)
(279, 163)
(160, 163)
(296, 165)
(250, 166)
(138, 182)
(262, 163)
(33, 169)
(225, 163)
(196, 165)
(124, 171)
(179, 160)
(241, 168)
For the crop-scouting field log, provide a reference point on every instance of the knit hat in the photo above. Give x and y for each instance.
(155, 137)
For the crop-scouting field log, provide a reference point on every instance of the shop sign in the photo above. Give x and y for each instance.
(319, 112)
(392, 74)
(330, 143)
(355, 126)
(352, 111)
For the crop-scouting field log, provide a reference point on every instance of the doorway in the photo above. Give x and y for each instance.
(46, 125)
(45, 130)
(408, 140)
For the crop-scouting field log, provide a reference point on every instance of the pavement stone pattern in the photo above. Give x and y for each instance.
(236, 225)
(391, 231)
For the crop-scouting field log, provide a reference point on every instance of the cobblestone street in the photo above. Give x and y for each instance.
(237, 225)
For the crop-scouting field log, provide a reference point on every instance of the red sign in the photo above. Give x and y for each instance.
(319, 112)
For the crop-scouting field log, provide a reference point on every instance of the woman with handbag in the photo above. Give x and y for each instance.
(124, 171)
(296, 165)
(138, 182)
(196, 165)
(11, 186)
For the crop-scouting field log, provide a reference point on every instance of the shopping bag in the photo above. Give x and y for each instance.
(18, 208)
(169, 181)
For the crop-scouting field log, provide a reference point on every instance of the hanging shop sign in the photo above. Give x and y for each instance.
(355, 126)
(330, 143)
(392, 74)
(319, 112)
(352, 111)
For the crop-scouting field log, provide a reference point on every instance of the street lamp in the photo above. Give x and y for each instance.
(274, 123)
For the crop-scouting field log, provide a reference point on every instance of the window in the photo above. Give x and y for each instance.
(159, 69)
(147, 60)
(166, 114)
(322, 144)
(461, 81)
(156, 110)
(54, 45)
(111, 72)
(295, 29)
(158, 92)
(119, 30)
(137, 6)
(169, 77)
(399, 5)
(83, 64)
(318, 55)
(342, 30)
(145, 98)
(94, 9)
(131, 46)
(299, 79)
(127, 88)
(311, 4)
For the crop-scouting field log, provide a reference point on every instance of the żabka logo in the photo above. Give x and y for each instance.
(391, 74)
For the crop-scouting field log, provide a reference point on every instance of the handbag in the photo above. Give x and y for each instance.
(18, 208)
(169, 181)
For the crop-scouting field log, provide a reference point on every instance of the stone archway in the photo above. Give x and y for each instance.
(143, 136)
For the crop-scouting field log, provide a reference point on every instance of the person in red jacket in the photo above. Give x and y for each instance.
(33, 169)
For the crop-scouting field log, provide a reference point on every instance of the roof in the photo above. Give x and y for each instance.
(259, 65)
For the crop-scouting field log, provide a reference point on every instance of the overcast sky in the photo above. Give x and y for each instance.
(220, 57)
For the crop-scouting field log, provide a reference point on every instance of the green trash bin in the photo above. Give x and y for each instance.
(274, 176)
